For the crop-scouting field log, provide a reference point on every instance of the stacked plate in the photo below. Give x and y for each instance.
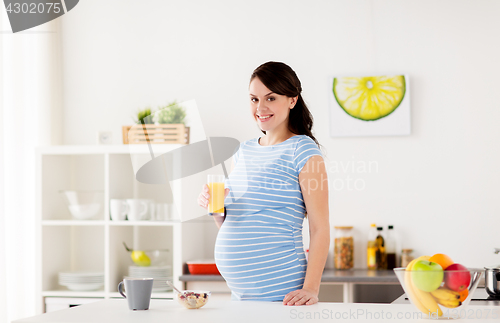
(81, 281)
(160, 274)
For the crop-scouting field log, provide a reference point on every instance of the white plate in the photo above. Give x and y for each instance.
(81, 281)
(149, 269)
(161, 289)
(84, 287)
(82, 274)
(149, 272)
(76, 280)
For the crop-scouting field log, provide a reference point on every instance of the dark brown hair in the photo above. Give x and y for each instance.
(281, 79)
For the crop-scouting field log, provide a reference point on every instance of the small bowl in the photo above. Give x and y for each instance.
(83, 205)
(154, 257)
(440, 305)
(157, 257)
(193, 299)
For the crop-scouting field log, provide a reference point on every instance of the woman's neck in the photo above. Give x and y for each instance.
(275, 138)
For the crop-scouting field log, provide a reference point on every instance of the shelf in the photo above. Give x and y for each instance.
(143, 223)
(68, 244)
(111, 223)
(97, 293)
(153, 295)
(71, 293)
(72, 222)
(189, 277)
(106, 149)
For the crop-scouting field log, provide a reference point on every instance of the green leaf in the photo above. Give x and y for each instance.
(171, 113)
(144, 116)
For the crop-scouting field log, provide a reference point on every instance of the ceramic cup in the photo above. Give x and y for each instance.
(151, 209)
(137, 209)
(162, 212)
(138, 292)
(118, 209)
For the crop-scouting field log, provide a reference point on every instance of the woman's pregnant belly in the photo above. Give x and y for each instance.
(260, 261)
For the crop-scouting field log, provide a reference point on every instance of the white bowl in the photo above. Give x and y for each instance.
(83, 205)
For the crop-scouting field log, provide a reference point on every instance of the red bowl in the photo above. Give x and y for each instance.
(202, 268)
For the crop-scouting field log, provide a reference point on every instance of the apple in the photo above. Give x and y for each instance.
(457, 280)
(427, 275)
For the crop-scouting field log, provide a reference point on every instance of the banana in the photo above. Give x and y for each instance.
(428, 301)
(447, 297)
(450, 303)
(409, 289)
(422, 300)
(445, 294)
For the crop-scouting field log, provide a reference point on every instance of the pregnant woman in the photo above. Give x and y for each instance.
(276, 181)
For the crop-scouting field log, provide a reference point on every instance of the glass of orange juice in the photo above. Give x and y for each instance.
(216, 191)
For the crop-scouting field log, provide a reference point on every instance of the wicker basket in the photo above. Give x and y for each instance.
(156, 134)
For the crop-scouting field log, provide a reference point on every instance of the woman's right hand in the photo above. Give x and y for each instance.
(205, 196)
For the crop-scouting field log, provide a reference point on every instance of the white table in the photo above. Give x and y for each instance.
(108, 311)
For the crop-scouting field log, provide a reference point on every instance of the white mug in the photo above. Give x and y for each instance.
(137, 210)
(151, 209)
(118, 209)
(162, 212)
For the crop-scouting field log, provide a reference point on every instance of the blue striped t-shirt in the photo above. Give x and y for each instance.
(259, 249)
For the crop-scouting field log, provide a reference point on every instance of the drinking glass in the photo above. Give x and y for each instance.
(216, 191)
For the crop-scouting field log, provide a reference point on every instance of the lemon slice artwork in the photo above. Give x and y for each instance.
(369, 98)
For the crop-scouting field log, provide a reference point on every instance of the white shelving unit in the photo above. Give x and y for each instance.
(96, 245)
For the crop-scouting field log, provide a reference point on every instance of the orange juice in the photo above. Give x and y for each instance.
(216, 191)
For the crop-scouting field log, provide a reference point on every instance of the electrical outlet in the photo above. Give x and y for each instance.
(104, 138)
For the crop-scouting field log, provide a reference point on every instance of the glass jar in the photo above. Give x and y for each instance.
(406, 257)
(343, 248)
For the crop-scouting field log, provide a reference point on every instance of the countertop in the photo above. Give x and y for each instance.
(480, 297)
(329, 276)
(245, 311)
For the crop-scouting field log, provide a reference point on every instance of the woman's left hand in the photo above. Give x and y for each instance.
(301, 297)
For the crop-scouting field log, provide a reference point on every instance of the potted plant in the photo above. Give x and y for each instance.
(144, 116)
(172, 113)
(166, 125)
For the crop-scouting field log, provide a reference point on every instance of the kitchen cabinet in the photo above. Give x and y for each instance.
(65, 244)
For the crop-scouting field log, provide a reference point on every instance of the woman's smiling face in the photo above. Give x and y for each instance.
(270, 110)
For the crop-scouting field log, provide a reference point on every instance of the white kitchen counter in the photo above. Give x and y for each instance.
(242, 312)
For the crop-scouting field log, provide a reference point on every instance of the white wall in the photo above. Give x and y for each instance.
(439, 186)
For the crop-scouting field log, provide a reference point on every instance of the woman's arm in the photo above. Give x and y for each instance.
(314, 185)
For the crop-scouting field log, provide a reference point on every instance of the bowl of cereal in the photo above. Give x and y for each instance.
(193, 299)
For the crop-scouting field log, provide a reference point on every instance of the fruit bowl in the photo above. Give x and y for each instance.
(83, 205)
(193, 299)
(441, 302)
(145, 258)
(150, 257)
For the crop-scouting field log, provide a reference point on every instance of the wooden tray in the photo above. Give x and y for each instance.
(156, 134)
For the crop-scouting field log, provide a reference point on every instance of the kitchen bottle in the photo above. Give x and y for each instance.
(390, 248)
(381, 253)
(343, 248)
(371, 249)
(406, 257)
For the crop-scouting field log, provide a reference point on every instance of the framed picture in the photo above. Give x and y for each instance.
(370, 106)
